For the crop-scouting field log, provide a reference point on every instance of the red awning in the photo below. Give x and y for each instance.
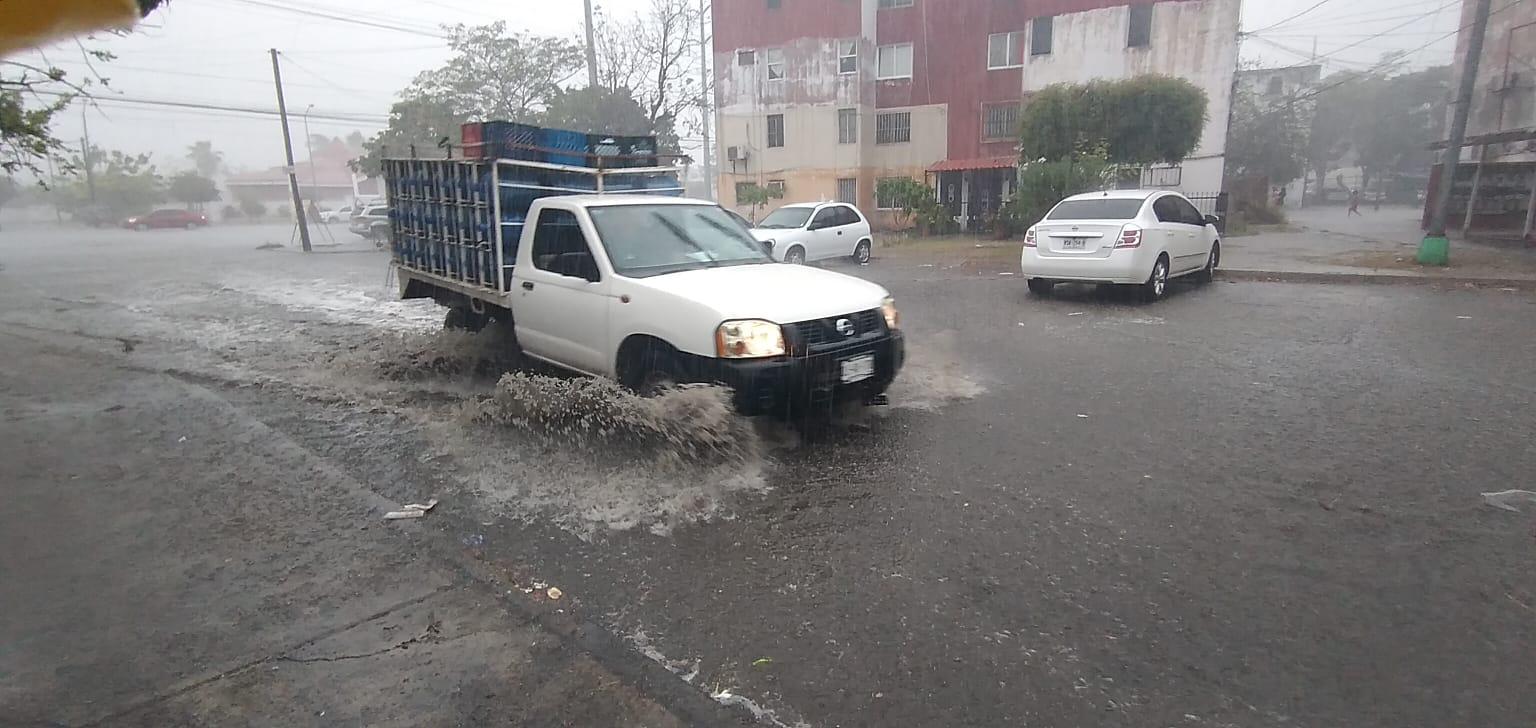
(957, 165)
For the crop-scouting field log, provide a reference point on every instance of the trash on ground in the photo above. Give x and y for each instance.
(761, 661)
(1506, 499)
(1082, 416)
(1005, 274)
(414, 510)
(554, 592)
(1463, 317)
(1077, 313)
(473, 540)
(183, 439)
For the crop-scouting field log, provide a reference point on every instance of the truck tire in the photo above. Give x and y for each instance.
(460, 318)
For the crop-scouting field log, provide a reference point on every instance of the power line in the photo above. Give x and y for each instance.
(1319, 4)
(342, 18)
(356, 118)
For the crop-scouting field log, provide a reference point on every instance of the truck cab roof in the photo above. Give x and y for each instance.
(616, 199)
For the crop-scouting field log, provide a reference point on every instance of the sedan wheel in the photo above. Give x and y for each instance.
(861, 252)
(1157, 283)
(795, 256)
(1208, 273)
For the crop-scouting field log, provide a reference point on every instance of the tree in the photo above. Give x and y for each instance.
(252, 208)
(30, 98)
(756, 195)
(125, 184)
(492, 75)
(193, 189)
(205, 160)
(497, 75)
(652, 56)
(1136, 121)
(1383, 120)
(356, 139)
(597, 111)
(1268, 139)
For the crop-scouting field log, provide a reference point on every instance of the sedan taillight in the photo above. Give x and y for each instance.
(1130, 237)
(1029, 238)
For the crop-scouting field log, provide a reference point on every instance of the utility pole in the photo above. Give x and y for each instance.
(706, 109)
(293, 179)
(1435, 249)
(591, 49)
(85, 154)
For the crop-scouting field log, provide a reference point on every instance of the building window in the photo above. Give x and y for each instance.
(848, 191)
(847, 126)
(1040, 36)
(893, 128)
(744, 188)
(746, 58)
(1000, 121)
(894, 61)
(1140, 35)
(1276, 86)
(1005, 50)
(775, 59)
(1162, 176)
(847, 56)
(895, 4)
(775, 130)
(777, 185)
(883, 199)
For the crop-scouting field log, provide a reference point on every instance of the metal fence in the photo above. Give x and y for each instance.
(1214, 203)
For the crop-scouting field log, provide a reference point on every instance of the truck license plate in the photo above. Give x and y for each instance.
(1074, 244)
(858, 369)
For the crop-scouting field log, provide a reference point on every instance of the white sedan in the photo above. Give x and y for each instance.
(816, 231)
(1137, 237)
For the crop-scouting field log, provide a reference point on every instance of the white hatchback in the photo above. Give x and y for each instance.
(1137, 237)
(816, 231)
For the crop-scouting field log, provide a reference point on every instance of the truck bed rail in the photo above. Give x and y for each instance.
(462, 219)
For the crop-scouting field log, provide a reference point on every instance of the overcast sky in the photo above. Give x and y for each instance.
(215, 52)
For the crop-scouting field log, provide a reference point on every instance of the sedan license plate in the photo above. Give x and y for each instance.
(858, 369)
(1074, 244)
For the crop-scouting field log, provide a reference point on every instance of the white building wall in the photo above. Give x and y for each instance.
(1195, 41)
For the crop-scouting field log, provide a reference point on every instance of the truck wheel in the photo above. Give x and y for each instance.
(460, 318)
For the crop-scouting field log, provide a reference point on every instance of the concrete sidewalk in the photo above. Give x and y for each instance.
(1326, 243)
(168, 560)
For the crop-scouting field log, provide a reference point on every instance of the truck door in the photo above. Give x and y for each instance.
(561, 308)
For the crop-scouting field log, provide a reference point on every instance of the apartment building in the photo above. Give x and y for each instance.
(823, 98)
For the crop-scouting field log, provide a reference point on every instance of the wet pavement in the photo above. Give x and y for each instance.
(1251, 504)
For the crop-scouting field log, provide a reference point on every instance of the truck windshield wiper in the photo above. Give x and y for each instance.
(683, 236)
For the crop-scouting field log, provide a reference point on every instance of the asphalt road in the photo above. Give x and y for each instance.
(1252, 504)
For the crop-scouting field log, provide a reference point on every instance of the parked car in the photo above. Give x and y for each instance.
(738, 217)
(340, 214)
(168, 218)
(1135, 237)
(815, 231)
(372, 223)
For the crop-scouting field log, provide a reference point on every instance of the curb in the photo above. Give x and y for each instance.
(1230, 274)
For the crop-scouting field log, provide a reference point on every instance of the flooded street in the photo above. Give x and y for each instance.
(1252, 504)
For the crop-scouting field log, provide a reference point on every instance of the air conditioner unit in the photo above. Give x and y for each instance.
(736, 154)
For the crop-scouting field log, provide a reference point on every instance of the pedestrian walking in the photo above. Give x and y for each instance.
(1280, 197)
(1354, 202)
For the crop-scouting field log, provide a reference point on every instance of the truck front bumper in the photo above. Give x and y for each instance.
(809, 381)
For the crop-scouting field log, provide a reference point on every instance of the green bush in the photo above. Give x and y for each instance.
(1043, 184)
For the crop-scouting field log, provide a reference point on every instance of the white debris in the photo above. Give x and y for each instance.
(414, 510)
(1505, 499)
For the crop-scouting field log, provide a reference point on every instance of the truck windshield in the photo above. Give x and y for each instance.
(786, 218)
(650, 240)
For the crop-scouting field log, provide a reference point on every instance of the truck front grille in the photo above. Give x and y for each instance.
(817, 332)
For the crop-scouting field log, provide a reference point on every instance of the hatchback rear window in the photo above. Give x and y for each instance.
(1105, 209)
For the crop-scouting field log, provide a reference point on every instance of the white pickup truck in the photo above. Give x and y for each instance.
(647, 289)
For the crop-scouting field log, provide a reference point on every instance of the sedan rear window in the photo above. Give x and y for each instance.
(1119, 208)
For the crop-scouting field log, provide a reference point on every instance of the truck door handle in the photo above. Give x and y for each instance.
(527, 285)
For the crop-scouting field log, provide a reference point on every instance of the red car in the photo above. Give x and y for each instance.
(166, 219)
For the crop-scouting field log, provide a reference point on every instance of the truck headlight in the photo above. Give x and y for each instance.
(749, 339)
(892, 316)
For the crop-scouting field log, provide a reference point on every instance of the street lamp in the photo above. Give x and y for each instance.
(314, 186)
